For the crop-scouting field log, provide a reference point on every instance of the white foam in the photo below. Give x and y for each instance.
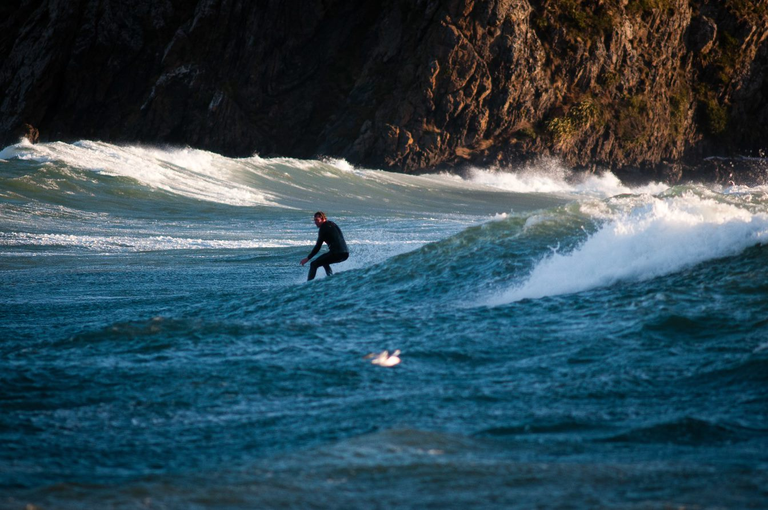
(115, 244)
(188, 172)
(341, 164)
(281, 182)
(656, 237)
(549, 175)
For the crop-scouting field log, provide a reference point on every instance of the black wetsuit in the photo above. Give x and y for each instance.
(329, 233)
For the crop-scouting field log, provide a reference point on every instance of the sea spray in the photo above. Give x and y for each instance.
(549, 175)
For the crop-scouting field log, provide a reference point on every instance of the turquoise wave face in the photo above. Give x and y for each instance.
(563, 343)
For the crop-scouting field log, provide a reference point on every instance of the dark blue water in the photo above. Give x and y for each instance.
(588, 347)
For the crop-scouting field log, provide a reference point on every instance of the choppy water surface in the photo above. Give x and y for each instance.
(564, 344)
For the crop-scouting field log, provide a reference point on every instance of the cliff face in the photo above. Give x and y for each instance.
(638, 85)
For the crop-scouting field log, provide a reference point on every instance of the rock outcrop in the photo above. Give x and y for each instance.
(650, 88)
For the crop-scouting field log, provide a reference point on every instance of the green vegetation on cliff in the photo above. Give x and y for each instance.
(665, 71)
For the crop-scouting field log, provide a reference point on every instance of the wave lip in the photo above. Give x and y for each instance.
(654, 236)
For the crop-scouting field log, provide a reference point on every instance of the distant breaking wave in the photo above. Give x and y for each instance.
(292, 183)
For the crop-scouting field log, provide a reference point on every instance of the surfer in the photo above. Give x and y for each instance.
(328, 233)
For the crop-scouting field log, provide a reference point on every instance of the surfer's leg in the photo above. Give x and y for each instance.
(334, 258)
(325, 262)
(321, 261)
(313, 270)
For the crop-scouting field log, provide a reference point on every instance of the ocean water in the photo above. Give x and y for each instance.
(564, 343)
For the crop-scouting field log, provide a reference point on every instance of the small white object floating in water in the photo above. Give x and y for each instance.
(383, 359)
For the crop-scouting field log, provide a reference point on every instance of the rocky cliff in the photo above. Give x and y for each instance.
(642, 86)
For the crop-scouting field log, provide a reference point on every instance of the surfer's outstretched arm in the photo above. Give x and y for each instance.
(314, 251)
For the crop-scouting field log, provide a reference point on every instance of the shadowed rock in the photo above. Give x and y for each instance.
(646, 88)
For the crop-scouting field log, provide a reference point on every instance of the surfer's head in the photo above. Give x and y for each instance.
(320, 218)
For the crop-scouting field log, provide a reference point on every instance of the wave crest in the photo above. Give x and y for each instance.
(643, 237)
